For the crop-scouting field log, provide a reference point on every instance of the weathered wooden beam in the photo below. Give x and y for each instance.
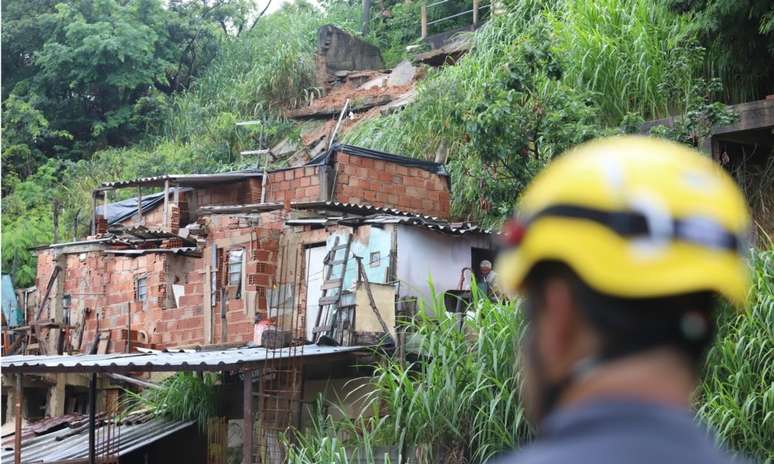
(423, 21)
(248, 418)
(92, 418)
(139, 204)
(17, 438)
(93, 213)
(165, 220)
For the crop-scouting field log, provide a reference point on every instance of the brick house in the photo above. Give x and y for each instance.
(216, 251)
(331, 252)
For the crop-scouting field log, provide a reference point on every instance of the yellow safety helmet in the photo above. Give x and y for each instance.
(634, 217)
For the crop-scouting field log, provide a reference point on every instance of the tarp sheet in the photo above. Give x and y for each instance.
(124, 209)
(13, 315)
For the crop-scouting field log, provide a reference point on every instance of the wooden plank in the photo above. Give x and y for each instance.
(104, 341)
(247, 417)
(165, 213)
(328, 300)
(330, 284)
(17, 439)
(371, 301)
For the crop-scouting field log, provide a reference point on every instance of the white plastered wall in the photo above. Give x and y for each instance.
(424, 254)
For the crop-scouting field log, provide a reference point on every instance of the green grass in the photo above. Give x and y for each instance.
(460, 403)
(635, 55)
(183, 396)
(737, 396)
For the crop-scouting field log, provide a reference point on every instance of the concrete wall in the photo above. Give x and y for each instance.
(338, 50)
(424, 254)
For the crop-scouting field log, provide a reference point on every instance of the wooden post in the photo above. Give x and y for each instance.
(129, 327)
(55, 210)
(18, 432)
(165, 220)
(366, 15)
(423, 21)
(139, 204)
(475, 13)
(247, 429)
(93, 213)
(223, 319)
(92, 418)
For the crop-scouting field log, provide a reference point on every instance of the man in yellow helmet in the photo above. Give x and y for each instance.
(620, 250)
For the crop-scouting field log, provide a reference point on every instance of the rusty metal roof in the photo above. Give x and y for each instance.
(73, 443)
(164, 361)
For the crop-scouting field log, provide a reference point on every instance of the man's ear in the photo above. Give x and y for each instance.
(559, 325)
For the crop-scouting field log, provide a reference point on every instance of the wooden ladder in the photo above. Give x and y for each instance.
(331, 288)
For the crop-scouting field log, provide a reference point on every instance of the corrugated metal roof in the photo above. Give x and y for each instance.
(456, 228)
(250, 208)
(381, 215)
(190, 180)
(67, 443)
(359, 208)
(163, 361)
(183, 251)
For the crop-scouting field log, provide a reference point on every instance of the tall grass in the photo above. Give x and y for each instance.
(636, 55)
(183, 396)
(457, 403)
(737, 396)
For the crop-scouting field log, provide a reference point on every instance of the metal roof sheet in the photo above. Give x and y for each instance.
(456, 228)
(382, 215)
(190, 180)
(359, 208)
(163, 361)
(67, 443)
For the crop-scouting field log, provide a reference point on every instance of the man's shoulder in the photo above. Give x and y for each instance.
(611, 432)
(602, 452)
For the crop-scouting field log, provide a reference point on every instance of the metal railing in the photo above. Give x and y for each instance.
(424, 23)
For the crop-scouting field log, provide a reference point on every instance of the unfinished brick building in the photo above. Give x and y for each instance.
(247, 266)
(215, 252)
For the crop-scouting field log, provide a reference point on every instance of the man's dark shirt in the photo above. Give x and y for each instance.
(607, 432)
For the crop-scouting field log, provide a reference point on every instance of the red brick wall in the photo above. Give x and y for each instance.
(296, 184)
(261, 245)
(232, 193)
(386, 184)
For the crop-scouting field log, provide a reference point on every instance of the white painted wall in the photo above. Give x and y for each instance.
(424, 254)
(314, 279)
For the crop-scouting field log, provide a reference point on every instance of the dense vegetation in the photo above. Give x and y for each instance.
(459, 403)
(95, 90)
(183, 120)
